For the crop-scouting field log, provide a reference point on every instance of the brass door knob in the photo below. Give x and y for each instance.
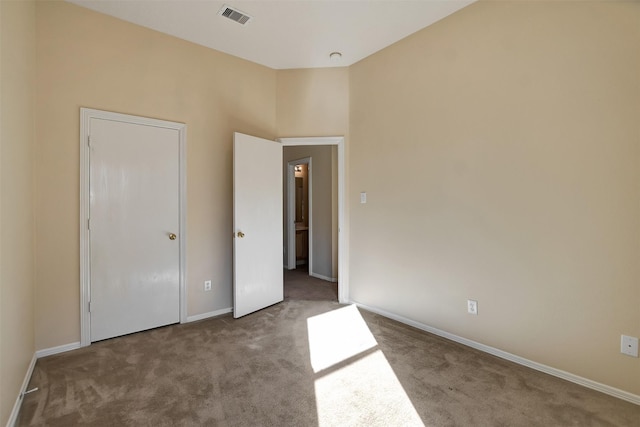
(172, 236)
(240, 234)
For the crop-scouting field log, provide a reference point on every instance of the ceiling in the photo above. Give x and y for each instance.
(285, 33)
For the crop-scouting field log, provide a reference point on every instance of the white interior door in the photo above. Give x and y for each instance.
(257, 223)
(134, 223)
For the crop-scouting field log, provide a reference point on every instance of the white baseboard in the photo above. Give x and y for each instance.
(59, 349)
(27, 377)
(603, 388)
(209, 314)
(320, 276)
(25, 383)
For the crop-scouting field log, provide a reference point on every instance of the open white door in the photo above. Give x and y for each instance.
(257, 224)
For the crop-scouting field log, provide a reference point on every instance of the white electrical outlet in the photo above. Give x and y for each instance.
(207, 285)
(629, 345)
(472, 306)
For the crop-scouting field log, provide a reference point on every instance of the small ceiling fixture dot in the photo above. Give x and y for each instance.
(335, 56)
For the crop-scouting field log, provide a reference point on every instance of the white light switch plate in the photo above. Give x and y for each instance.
(363, 197)
(629, 345)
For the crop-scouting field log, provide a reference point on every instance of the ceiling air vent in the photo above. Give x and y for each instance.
(234, 14)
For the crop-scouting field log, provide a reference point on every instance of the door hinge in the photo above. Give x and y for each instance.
(89, 140)
(89, 224)
(89, 306)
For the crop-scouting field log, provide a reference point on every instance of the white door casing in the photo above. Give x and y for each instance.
(343, 240)
(133, 240)
(291, 216)
(257, 224)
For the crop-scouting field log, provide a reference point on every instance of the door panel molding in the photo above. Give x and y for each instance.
(86, 114)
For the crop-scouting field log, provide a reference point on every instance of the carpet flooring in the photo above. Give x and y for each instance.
(303, 363)
(299, 285)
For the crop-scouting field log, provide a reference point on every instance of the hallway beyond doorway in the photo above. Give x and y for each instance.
(298, 285)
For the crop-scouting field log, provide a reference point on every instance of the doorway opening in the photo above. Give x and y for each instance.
(258, 244)
(301, 279)
(311, 222)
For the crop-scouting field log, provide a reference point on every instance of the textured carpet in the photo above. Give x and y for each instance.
(303, 363)
(299, 285)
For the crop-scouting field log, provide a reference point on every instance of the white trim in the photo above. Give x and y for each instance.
(310, 214)
(343, 231)
(182, 212)
(291, 208)
(25, 383)
(585, 382)
(320, 276)
(291, 238)
(86, 114)
(315, 140)
(59, 349)
(214, 313)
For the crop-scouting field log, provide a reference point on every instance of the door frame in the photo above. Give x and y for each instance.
(291, 209)
(86, 114)
(343, 240)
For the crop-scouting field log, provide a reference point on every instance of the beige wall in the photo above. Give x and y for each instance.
(86, 59)
(500, 151)
(315, 102)
(17, 65)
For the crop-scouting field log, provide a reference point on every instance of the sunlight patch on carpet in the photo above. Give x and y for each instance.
(336, 336)
(365, 392)
(361, 387)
